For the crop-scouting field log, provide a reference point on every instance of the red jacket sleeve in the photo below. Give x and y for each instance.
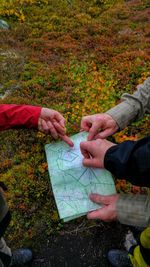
(12, 116)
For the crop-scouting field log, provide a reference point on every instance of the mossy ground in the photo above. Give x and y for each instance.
(77, 57)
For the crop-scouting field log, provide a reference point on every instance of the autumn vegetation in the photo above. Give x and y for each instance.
(77, 57)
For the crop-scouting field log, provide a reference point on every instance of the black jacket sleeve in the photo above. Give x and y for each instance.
(130, 160)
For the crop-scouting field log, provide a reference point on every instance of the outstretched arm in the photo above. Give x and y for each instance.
(12, 116)
(128, 209)
(46, 120)
(129, 160)
(131, 108)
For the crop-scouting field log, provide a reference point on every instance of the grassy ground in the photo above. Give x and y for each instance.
(77, 57)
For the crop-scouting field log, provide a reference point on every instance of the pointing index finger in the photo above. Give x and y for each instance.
(67, 140)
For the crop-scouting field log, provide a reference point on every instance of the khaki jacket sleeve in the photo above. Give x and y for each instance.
(134, 209)
(133, 106)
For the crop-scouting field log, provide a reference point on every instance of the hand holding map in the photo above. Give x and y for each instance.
(72, 182)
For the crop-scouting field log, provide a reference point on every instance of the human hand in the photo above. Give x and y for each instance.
(99, 125)
(108, 211)
(51, 121)
(94, 152)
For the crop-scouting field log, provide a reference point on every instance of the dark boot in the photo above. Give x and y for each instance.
(119, 258)
(21, 256)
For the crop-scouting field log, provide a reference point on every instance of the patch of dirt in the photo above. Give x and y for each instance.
(78, 249)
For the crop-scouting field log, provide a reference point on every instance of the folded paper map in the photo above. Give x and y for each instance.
(72, 182)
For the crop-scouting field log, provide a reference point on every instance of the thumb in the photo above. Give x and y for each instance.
(99, 199)
(85, 149)
(89, 162)
(93, 131)
(104, 134)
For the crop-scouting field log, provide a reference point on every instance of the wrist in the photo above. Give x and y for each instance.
(106, 156)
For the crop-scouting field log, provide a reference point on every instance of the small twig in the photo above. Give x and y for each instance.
(78, 229)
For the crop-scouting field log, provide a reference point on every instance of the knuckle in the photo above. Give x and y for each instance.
(85, 118)
(98, 141)
(98, 117)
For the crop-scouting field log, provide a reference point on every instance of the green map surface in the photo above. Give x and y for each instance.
(72, 182)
